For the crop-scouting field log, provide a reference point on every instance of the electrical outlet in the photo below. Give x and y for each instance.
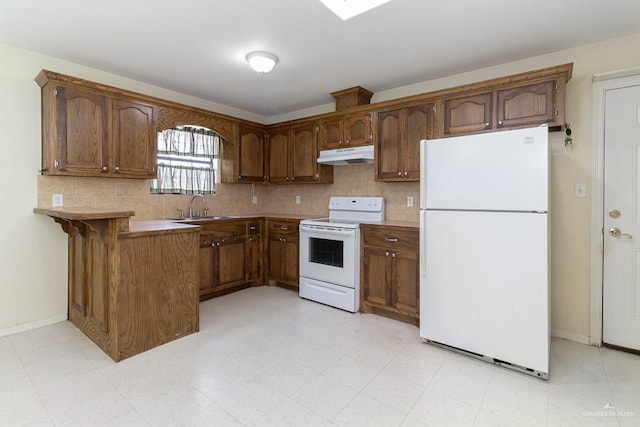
(57, 201)
(580, 189)
(297, 200)
(254, 200)
(410, 201)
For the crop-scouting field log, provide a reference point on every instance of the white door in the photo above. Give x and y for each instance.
(621, 264)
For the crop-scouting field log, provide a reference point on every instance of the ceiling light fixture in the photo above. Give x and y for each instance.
(262, 62)
(346, 9)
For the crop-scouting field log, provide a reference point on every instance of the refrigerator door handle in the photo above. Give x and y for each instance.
(422, 255)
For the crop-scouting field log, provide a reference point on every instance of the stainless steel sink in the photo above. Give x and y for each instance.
(202, 218)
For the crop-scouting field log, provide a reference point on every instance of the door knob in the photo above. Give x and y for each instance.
(615, 232)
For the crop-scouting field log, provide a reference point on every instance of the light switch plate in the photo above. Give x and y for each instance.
(580, 189)
(57, 201)
(254, 200)
(410, 201)
(297, 200)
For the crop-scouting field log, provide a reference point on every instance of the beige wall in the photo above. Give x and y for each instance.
(34, 248)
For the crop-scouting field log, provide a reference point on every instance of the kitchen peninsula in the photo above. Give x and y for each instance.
(132, 285)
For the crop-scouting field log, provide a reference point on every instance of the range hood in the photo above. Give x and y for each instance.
(347, 156)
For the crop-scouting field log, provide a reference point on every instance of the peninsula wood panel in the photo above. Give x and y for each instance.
(157, 297)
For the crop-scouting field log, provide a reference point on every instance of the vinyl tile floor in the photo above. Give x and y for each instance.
(265, 357)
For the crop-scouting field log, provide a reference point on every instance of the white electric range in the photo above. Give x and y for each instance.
(330, 251)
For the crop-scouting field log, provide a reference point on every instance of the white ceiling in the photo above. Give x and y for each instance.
(198, 47)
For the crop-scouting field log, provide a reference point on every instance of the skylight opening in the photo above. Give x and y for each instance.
(346, 9)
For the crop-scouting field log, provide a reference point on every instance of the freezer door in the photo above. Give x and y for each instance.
(494, 171)
(484, 286)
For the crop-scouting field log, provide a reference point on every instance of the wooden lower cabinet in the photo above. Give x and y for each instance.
(230, 256)
(390, 284)
(283, 252)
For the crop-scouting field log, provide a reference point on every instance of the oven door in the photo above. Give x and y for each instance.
(329, 254)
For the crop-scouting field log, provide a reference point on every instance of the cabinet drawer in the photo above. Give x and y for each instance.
(225, 229)
(391, 237)
(254, 228)
(283, 227)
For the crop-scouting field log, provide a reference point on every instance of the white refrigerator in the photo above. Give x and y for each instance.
(484, 264)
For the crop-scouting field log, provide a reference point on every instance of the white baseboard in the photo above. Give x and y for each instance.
(32, 325)
(582, 339)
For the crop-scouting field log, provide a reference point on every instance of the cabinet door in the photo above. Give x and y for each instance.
(304, 154)
(207, 264)
(279, 156)
(251, 155)
(275, 257)
(290, 258)
(254, 253)
(468, 114)
(254, 260)
(134, 139)
(389, 154)
(82, 125)
(357, 130)
(405, 281)
(332, 134)
(231, 265)
(376, 276)
(527, 105)
(418, 126)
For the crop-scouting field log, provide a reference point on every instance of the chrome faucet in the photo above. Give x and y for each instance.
(204, 206)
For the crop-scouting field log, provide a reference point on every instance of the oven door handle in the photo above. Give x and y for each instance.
(328, 232)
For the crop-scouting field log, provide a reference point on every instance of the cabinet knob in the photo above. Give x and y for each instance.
(386, 253)
(406, 173)
(117, 169)
(340, 142)
(104, 169)
(287, 178)
(500, 122)
(399, 173)
(393, 254)
(487, 124)
(348, 140)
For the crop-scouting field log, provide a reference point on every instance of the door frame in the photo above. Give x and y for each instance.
(602, 82)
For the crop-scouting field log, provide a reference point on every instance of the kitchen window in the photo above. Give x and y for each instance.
(188, 161)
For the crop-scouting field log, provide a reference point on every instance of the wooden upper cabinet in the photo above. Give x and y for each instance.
(251, 154)
(468, 114)
(293, 154)
(75, 132)
(133, 139)
(350, 131)
(279, 156)
(398, 138)
(533, 104)
(88, 131)
(528, 99)
(332, 134)
(304, 154)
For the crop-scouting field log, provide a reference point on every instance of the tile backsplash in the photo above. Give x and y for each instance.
(232, 199)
